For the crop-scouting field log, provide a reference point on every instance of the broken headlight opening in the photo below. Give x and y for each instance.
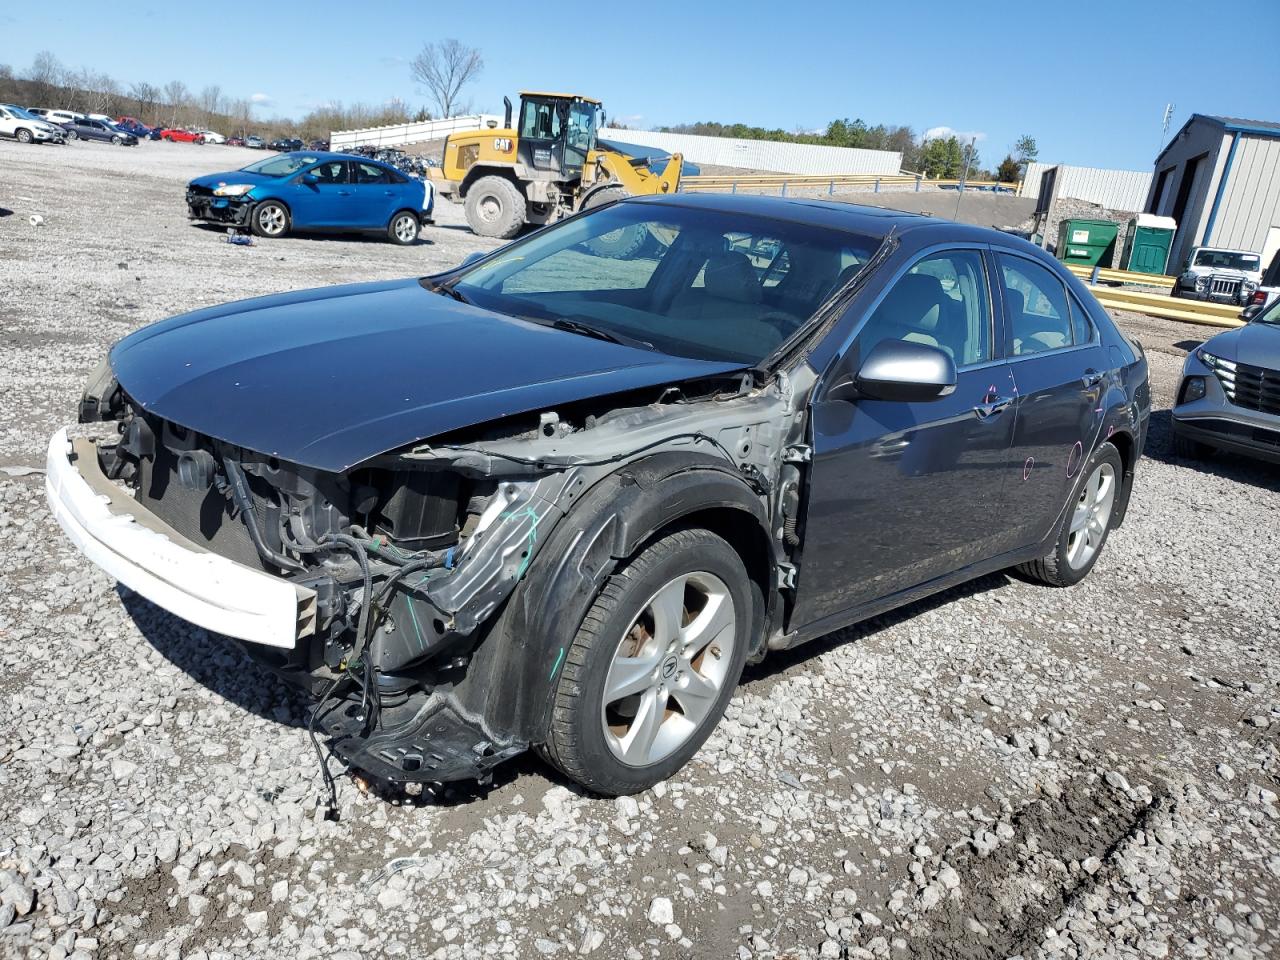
(410, 554)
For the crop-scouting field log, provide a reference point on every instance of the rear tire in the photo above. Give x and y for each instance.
(24, 135)
(495, 208)
(1176, 291)
(1086, 523)
(403, 228)
(269, 219)
(642, 685)
(72, 135)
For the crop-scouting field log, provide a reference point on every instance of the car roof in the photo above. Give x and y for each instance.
(322, 155)
(832, 214)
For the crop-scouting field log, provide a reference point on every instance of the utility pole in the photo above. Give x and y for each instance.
(964, 174)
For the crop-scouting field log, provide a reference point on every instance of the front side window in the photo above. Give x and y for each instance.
(942, 301)
(1036, 302)
(279, 166)
(330, 172)
(689, 282)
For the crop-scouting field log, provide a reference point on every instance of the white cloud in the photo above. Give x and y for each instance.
(964, 136)
(261, 98)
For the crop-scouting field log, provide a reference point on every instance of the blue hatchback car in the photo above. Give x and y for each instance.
(314, 190)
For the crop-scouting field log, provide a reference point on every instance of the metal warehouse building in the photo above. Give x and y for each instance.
(1219, 178)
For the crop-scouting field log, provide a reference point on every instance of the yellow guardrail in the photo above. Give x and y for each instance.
(785, 181)
(1171, 308)
(1107, 275)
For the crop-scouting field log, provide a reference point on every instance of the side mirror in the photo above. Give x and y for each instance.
(309, 179)
(471, 258)
(898, 370)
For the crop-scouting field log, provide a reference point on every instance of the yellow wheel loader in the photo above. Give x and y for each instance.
(550, 164)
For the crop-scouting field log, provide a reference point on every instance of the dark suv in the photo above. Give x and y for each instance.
(285, 144)
(602, 468)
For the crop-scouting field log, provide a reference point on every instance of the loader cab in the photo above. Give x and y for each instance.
(556, 131)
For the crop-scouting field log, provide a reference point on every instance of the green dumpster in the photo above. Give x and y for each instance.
(1146, 248)
(1087, 242)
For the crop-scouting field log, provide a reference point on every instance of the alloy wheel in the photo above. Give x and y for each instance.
(271, 220)
(1091, 516)
(405, 228)
(669, 668)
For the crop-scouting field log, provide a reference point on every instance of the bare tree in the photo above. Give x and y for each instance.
(145, 95)
(46, 74)
(210, 102)
(241, 111)
(444, 68)
(175, 92)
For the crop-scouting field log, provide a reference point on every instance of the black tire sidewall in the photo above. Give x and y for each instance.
(1106, 453)
(684, 552)
(510, 199)
(253, 220)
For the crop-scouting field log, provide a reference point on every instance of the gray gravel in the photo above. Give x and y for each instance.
(1003, 771)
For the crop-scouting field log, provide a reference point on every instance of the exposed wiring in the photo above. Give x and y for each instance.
(573, 462)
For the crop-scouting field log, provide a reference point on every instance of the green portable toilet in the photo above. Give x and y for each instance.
(1146, 249)
(1087, 242)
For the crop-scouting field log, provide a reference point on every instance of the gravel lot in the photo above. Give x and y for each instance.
(1004, 770)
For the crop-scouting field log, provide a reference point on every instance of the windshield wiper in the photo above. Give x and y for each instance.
(571, 325)
(448, 289)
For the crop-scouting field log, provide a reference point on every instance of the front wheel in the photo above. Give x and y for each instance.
(118, 141)
(269, 219)
(403, 228)
(1086, 524)
(495, 208)
(653, 665)
(24, 135)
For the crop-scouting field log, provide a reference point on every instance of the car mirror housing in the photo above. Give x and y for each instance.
(471, 258)
(898, 370)
(309, 179)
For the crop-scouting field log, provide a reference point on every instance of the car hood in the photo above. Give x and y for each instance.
(1257, 344)
(212, 180)
(329, 378)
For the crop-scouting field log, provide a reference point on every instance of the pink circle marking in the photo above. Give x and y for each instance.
(1073, 459)
(1026, 467)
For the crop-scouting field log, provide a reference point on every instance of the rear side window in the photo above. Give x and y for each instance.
(1036, 306)
(1081, 326)
(369, 173)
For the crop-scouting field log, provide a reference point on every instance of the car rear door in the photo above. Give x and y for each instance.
(374, 195)
(1060, 368)
(325, 203)
(902, 493)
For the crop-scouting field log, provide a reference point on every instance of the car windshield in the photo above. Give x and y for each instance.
(686, 281)
(21, 114)
(1271, 315)
(280, 166)
(1227, 260)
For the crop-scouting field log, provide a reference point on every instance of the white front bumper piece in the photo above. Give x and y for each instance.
(136, 547)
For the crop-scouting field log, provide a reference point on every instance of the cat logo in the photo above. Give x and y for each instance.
(502, 144)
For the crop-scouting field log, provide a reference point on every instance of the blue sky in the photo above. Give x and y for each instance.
(1088, 80)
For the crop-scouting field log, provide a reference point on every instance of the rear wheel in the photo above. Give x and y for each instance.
(653, 665)
(23, 135)
(495, 208)
(1176, 291)
(269, 219)
(403, 228)
(72, 135)
(621, 243)
(1086, 524)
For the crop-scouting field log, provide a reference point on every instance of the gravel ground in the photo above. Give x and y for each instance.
(1005, 770)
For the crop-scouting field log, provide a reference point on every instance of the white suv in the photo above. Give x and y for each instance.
(1216, 273)
(27, 127)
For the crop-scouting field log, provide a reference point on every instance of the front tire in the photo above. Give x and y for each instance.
(653, 665)
(495, 208)
(23, 135)
(1086, 523)
(403, 228)
(118, 141)
(269, 219)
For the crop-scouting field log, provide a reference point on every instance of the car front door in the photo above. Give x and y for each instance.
(1059, 370)
(320, 196)
(902, 493)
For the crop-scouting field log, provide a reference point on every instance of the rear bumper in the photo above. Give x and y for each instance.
(137, 548)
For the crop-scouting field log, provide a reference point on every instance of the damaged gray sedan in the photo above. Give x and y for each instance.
(559, 497)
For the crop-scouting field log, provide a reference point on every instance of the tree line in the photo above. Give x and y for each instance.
(48, 83)
(939, 157)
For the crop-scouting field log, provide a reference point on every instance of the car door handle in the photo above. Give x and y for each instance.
(1091, 378)
(991, 406)
(344, 193)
